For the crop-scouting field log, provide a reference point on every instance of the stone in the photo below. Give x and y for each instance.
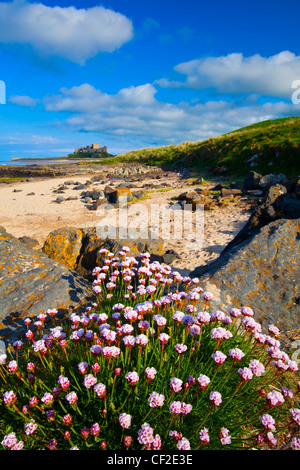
(252, 180)
(262, 272)
(119, 195)
(64, 246)
(272, 179)
(31, 242)
(169, 256)
(230, 192)
(31, 283)
(59, 199)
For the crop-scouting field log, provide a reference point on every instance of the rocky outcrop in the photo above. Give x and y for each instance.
(263, 272)
(32, 283)
(79, 248)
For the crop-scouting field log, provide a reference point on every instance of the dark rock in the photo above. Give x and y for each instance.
(59, 199)
(252, 180)
(31, 283)
(30, 194)
(138, 194)
(169, 256)
(98, 203)
(119, 195)
(79, 187)
(272, 179)
(262, 272)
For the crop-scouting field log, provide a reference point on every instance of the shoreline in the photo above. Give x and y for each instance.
(30, 209)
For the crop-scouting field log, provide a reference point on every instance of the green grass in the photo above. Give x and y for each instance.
(276, 142)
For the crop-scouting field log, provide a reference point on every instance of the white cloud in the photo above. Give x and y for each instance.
(74, 34)
(23, 100)
(234, 73)
(135, 113)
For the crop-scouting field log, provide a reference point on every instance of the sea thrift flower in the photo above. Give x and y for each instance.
(180, 348)
(224, 436)
(95, 429)
(245, 373)
(203, 381)
(52, 444)
(67, 419)
(175, 384)
(256, 367)
(183, 444)
(236, 354)
(89, 381)
(150, 373)
(186, 408)
(273, 330)
(207, 296)
(267, 421)
(129, 340)
(47, 399)
(219, 357)
(145, 434)
(175, 407)
(63, 382)
(295, 444)
(164, 338)
(82, 367)
(295, 412)
(127, 441)
(274, 398)
(155, 400)
(9, 440)
(132, 378)
(12, 366)
(100, 390)
(247, 311)
(204, 437)
(125, 420)
(235, 312)
(203, 318)
(30, 427)
(156, 444)
(72, 398)
(215, 398)
(141, 340)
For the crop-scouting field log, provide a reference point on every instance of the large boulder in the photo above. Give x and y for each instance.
(263, 272)
(64, 245)
(119, 195)
(78, 249)
(31, 283)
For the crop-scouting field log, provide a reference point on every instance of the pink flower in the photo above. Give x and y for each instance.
(245, 373)
(145, 434)
(141, 340)
(125, 420)
(203, 381)
(204, 437)
(186, 408)
(235, 312)
(195, 330)
(219, 357)
(175, 384)
(273, 330)
(12, 366)
(100, 390)
(251, 325)
(150, 373)
(129, 340)
(180, 348)
(224, 436)
(155, 400)
(175, 407)
(203, 318)
(178, 316)
(215, 398)
(274, 398)
(295, 412)
(267, 421)
(164, 338)
(95, 429)
(188, 320)
(207, 296)
(67, 419)
(89, 381)
(247, 311)
(47, 398)
(72, 398)
(295, 444)
(82, 367)
(9, 440)
(63, 382)
(160, 320)
(156, 444)
(132, 378)
(183, 444)
(236, 354)
(256, 367)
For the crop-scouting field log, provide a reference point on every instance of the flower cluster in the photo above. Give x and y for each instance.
(147, 365)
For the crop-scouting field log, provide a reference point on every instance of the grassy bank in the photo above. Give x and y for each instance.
(274, 144)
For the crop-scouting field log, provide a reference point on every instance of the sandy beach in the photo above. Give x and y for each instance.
(28, 208)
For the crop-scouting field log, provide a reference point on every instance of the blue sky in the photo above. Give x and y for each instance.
(132, 74)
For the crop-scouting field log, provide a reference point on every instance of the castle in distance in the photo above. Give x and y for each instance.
(91, 148)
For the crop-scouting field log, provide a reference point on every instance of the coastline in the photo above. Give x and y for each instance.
(30, 209)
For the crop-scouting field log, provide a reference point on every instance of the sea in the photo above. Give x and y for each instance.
(34, 161)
